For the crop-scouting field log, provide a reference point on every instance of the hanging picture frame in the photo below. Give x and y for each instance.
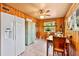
(77, 20)
(73, 21)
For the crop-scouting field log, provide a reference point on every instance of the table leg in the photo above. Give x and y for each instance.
(47, 48)
(67, 49)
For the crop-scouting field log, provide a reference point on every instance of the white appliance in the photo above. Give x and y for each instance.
(12, 35)
(20, 35)
(30, 32)
(7, 37)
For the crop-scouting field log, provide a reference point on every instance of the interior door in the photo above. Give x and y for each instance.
(7, 35)
(20, 35)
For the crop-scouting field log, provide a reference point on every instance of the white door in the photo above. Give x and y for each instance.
(20, 35)
(7, 39)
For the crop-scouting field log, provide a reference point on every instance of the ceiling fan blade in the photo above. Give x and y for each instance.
(47, 11)
(44, 12)
(41, 11)
(47, 15)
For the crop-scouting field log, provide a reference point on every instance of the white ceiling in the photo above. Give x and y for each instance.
(32, 9)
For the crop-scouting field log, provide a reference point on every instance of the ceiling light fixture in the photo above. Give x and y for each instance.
(42, 17)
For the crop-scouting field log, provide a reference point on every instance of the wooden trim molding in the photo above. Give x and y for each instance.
(73, 7)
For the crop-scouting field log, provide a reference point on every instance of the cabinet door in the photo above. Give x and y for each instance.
(20, 35)
(7, 39)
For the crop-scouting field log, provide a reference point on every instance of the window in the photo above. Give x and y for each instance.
(49, 26)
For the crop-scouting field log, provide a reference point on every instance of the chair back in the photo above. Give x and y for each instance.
(59, 42)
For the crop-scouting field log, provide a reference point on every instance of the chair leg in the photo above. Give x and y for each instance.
(63, 54)
(54, 53)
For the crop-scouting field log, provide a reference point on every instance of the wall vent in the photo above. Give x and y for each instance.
(6, 9)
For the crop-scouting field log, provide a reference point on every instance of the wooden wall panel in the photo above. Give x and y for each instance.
(73, 7)
(0, 7)
(40, 26)
(74, 34)
(77, 43)
(60, 24)
(40, 29)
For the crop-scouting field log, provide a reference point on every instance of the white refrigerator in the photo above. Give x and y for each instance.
(12, 35)
(7, 35)
(20, 35)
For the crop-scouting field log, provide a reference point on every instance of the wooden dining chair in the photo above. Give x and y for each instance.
(59, 45)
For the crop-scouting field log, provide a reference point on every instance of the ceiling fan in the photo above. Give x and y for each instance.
(44, 12)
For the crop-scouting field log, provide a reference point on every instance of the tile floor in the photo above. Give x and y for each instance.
(38, 48)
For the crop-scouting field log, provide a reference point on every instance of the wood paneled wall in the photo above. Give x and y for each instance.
(40, 26)
(10, 10)
(74, 34)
